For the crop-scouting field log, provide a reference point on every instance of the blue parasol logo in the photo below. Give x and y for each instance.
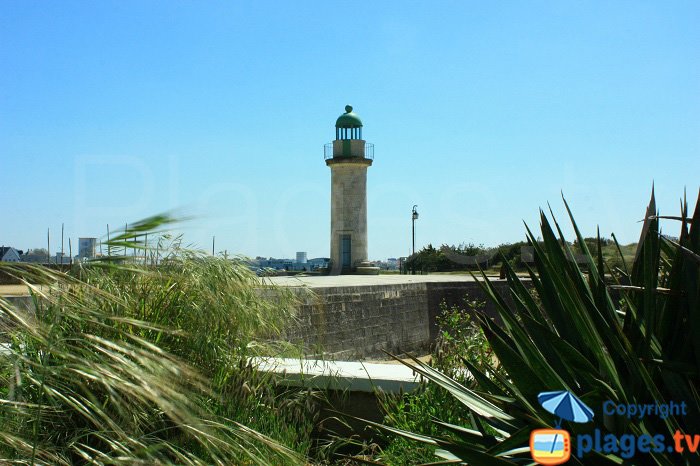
(565, 405)
(553, 446)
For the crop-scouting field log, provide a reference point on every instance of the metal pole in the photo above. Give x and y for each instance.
(413, 255)
(414, 216)
(413, 232)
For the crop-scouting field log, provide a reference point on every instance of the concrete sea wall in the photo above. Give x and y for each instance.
(347, 321)
(361, 321)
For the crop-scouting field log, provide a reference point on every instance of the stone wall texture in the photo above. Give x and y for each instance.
(349, 322)
(364, 321)
(349, 210)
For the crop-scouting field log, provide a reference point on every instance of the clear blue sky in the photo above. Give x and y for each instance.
(481, 113)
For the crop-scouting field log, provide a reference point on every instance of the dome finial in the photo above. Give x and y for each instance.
(349, 119)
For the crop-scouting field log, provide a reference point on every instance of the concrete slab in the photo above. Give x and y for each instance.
(354, 376)
(14, 290)
(364, 280)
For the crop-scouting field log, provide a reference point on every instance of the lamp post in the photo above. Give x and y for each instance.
(414, 217)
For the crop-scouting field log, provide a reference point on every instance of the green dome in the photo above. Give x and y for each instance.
(348, 119)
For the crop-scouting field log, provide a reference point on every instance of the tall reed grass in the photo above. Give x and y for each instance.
(119, 363)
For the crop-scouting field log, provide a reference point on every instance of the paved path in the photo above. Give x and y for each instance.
(319, 282)
(366, 280)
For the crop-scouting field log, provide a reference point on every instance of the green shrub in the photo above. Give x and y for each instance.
(459, 337)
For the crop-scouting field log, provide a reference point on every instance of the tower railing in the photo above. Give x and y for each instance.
(328, 151)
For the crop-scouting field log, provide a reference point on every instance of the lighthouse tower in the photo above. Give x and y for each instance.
(348, 157)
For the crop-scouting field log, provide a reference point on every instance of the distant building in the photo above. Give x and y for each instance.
(61, 258)
(391, 263)
(318, 263)
(87, 247)
(9, 254)
(277, 264)
(36, 256)
(290, 264)
(301, 257)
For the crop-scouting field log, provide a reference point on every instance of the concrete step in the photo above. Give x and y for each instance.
(354, 376)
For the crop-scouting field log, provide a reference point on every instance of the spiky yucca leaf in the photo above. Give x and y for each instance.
(629, 337)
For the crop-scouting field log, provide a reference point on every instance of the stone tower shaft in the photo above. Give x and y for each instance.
(348, 158)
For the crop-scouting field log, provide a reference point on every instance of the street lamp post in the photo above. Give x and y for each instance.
(414, 217)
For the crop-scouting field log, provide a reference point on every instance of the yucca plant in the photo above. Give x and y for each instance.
(125, 364)
(629, 336)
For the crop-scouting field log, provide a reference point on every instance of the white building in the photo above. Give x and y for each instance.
(9, 254)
